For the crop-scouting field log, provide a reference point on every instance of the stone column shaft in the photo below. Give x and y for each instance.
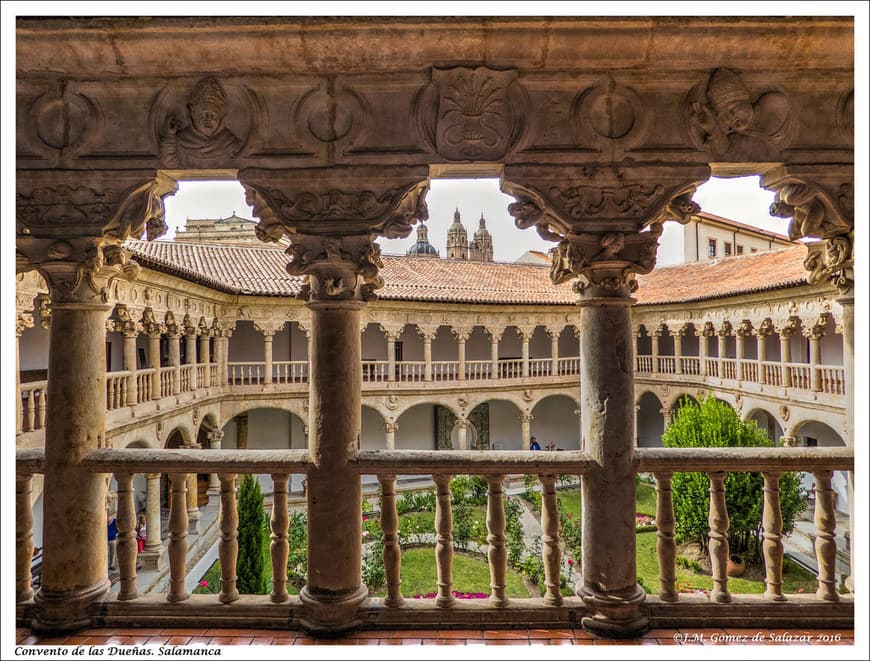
(391, 357)
(460, 349)
(785, 358)
(740, 352)
(190, 358)
(722, 339)
(267, 353)
(525, 339)
(526, 424)
(154, 363)
(654, 343)
(334, 588)
(494, 358)
(74, 507)
(175, 361)
(427, 358)
(678, 353)
(554, 355)
(391, 429)
(205, 354)
(762, 356)
(703, 353)
(130, 366)
(815, 361)
(152, 555)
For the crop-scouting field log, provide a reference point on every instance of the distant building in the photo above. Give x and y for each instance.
(708, 236)
(423, 247)
(232, 230)
(534, 257)
(480, 248)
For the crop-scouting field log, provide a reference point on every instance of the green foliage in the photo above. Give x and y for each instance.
(297, 560)
(373, 572)
(514, 531)
(252, 519)
(531, 493)
(416, 501)
(571, 533)
(712, 423)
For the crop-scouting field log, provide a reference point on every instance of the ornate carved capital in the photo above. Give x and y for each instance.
(43, 307)
(268, 328)
(831, 260)
(819, 203)
(788, 327)
(606, 261)
(391, 427)
(726, 329)
(124, 322)
(204, 329)
(709, 329)
(461, 333)
(744, 329)
(337, 268)
(427, 332)
(188, 326)
(149, 323)
(23, 320)
(392, 331)
(766, 328)
(525, 332)
(77, 270)
(494, 333)
(172, 327)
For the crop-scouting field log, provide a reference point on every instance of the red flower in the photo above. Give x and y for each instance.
(570, 562)
(203, 583)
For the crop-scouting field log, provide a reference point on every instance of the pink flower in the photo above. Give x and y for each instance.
(203, 583)
(800, 589)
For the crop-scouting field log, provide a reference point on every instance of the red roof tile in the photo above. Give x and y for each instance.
(260, 270)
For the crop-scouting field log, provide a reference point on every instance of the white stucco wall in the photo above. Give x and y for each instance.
(33, 349)
(373, 434)
(555, 422)
(246, 344)
(505, 428)
(416, 428)
(374, 343)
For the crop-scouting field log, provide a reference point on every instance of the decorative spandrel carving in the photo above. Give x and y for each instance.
(472, 114)
(814, 212)
(206, 127)
(63, 121)
(52, 210)
(727, 119)
(142, 211)
(632, 201)
(331, 115)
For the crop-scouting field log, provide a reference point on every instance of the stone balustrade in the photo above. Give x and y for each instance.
(127, 607)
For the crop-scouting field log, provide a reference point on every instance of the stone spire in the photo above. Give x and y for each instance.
(480, 249)
(457, 239)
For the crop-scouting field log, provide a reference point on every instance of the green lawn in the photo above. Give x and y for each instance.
(569, 500)
(795, 579)
(470, 574)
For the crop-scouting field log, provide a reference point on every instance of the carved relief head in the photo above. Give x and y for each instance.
(207, 106)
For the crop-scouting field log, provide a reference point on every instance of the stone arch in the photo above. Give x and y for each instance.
(293, 405)
(417, 427)
(265, 426)
(767, 422)
(677, 401)
(555, 419)
(505, 424)
(435, 400)
(372, 431)
(140, 443)
(649, 421)
(177, 437)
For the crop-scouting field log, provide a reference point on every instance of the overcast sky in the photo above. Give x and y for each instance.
(740, 199)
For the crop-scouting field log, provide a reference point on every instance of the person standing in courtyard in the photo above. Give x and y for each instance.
(533, 443)
(112, 526)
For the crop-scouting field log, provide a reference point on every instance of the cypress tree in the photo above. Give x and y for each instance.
(252, 515)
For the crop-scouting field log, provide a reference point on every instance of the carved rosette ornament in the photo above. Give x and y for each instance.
(730, 121)
(472, 114)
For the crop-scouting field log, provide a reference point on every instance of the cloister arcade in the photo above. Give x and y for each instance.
(600, 129)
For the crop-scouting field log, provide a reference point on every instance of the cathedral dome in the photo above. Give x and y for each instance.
(423, 247)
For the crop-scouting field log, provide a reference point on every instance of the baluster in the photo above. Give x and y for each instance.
(826, 547)
(122, 399)
(718, 545)
(23, 536)
(177, 537)
(550, 527)
(666, 546)
(29, 409)
(772, 545)
(495, 525)
(40, 408)
(280, 547)
(228, 548)
(444, 541)
(127, 546)
(110, 395)
(392, 550)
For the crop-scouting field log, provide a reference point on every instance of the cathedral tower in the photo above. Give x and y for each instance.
(481, 247)
(457, 239)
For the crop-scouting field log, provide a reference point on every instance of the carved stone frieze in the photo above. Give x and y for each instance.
(332, 114)
(475, 114)
(730, 121)
(63, 121)
(23, 319)
(610, 115)
(205, 126)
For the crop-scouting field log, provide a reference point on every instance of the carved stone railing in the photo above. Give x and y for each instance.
(116, 389)
(690, 365)
(644, 364)
(33, 401)
(375, 370)
(729, 368)
(772, 373)
(569, 366)
(185, 374)
(445, 370)
(717, 462)
(510, 369)
(712, 366)
(801, 375)
(833, 380)
(290, 371)
(476, 370)
(127, 607)
(245, 374)
(667, 364)
(750, 371)
(540, 367)
(144, 379)
(412, 370)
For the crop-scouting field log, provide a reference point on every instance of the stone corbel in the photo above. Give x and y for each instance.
(820, 204)
(744, 329)
(124, 320)
(204, 328)
(461, 333)
(172, 327)
(709, 330)
(726, 329)
(392, 331)
(765, 329)
(23, 320)
(188, 327)
(149, 322)
(336, 268)
(427, 332)
(831, 261)
(268, 328)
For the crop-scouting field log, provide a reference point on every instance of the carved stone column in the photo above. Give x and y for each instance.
(722, 338)
(742, 332)
(654, 343)
(526, 423)
(268, 330)
(242, 431)
(190, 333)
(173, 337)
(130, 366)
(392, 336)
(24, 320)
(461, 334)
(667, 416)
(428, 334)
(71, 235)
(391, 428)
(678, 348)
(786, 330)
(205, 354)
(494, 336)
(214, 483)
(764, 331)
(554, 350)
(154, 332)
(815, 334)
(152, 554)
(704, 346)
(526, 336)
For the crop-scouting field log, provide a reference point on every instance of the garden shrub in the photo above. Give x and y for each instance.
(252, 518)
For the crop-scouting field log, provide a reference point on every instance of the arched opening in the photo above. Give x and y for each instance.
(417, 428)
(767, 423)
(814, 434)
(505, 425)
(265, 429)
(372, 431)
(555, 422)
(650, 421)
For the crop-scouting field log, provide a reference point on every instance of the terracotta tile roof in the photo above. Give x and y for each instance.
(260, 270)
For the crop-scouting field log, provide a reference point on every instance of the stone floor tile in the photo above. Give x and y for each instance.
(267, 640)
(508, 641)
(304, 641)
(159, 640)
(178, 640)
(468, 634)
(413, 633)
(551, 641)
(409, 641)
(370, 634)
(506, 634)
(225, 632)
(551, 633)
(661, 633)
